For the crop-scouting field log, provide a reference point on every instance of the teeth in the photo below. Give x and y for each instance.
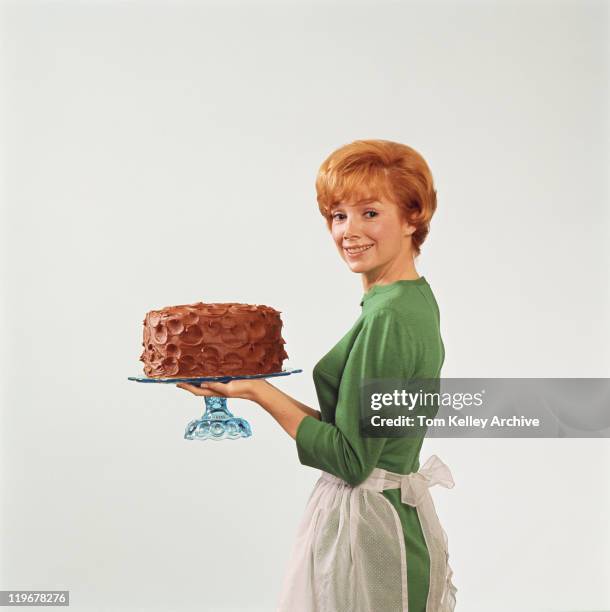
(359, 249)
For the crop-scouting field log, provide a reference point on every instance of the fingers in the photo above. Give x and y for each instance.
(216, 388)
(194, 389)
(209, 389)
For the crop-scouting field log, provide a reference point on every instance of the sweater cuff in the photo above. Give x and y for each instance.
(305, 438)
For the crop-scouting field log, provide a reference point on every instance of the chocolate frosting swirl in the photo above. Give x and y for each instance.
(192, 340)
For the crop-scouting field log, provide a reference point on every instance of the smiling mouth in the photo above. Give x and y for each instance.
(360, 249)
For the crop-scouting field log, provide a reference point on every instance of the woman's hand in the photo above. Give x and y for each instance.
(247, 389)
(287, 411)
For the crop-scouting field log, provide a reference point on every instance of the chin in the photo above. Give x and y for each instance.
(358, 267)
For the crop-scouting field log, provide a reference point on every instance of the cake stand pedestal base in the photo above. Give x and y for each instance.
(217, 423)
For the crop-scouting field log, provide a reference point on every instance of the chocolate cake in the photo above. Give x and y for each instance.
(200, 339)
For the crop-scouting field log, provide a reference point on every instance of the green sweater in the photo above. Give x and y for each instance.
(397, 335)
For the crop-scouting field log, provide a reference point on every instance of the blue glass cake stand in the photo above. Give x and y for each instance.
(217, 423)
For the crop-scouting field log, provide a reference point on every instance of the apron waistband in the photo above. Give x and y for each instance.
(413, 487)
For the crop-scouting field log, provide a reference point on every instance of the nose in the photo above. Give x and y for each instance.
(351, 227)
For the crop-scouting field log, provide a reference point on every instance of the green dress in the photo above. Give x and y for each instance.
(397, 335)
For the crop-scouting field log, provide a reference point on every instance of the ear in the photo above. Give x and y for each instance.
(407, 229)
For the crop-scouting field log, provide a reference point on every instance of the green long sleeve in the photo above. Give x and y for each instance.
(380, 345)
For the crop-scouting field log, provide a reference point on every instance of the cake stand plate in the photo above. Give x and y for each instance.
(217, 423)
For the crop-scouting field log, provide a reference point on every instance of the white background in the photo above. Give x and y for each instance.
(165, 153)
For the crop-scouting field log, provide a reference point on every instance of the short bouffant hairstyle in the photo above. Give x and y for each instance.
(379, 169)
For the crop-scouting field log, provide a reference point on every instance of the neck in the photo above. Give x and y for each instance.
(396, 270)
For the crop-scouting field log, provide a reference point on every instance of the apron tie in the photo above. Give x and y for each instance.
(414, 486)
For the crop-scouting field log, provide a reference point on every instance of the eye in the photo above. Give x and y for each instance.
(375, 213)
(337, 215)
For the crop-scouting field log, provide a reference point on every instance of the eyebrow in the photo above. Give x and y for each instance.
(359, 203)
(367, 201)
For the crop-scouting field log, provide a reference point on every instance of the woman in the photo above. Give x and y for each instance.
(370, 540)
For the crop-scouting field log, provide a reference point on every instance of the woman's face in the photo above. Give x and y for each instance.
(371, 235)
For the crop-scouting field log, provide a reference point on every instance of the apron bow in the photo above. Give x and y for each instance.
(414, 486)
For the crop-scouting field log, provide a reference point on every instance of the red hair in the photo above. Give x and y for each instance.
(379, 169)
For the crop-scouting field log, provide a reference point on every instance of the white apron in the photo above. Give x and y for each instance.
(349, 554)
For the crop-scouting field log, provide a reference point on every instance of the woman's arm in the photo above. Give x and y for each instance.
(310, 411)
(383, 349)
(286, 410)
